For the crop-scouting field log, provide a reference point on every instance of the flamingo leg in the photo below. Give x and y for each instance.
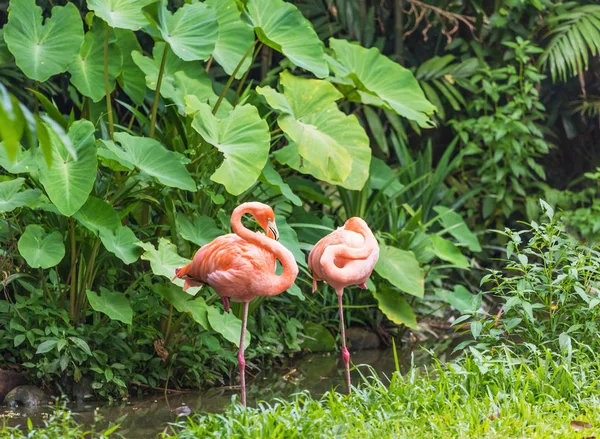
(225, 303)
(345, 353)
(241, 360)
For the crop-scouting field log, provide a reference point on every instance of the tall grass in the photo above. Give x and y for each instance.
(499, 395)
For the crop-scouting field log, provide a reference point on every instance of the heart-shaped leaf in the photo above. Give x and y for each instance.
(115, 305)
(97, 215)
(180, 78)
(12, 124)
(325, 142)
(235, 37)
(281, 26)
(183, 302)
(395, 307)
(123, 14)
(69, 181)
(24, 163)
(39, 249)
(447, 251)
(377, 80)
(402, 269)
(11, 198)
(455, 225)
(132, 80)
(87, 70)
(164, 260)
(243, 138)
(317, 338)
(272, 178)
(201, 231)
(191, 31)
(123, 243)
(43, 50)
(228, 325)
(152, 158)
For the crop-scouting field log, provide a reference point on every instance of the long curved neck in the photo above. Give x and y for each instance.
(369, 244)
(286, 258)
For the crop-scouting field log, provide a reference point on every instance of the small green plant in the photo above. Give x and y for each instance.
(502, 139)
(548, 290)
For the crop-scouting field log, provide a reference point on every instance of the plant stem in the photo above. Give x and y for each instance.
(209, 63)
(73, 270)
(157, 93)
(232, 77)
(44, 285)
(111, 126)
(243, 80)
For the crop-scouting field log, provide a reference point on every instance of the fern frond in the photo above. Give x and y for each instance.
(589, 107)
(575, 34)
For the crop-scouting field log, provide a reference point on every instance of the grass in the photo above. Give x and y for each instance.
(491, 395)
(485, 397)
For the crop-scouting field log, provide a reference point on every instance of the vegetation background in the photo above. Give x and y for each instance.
(132, 129)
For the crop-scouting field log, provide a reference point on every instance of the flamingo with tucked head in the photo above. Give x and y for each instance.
(241, 266)
(344, 258)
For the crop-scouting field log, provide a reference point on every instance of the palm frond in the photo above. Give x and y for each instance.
(574, 35)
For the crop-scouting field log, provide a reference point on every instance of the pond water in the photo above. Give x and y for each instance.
(317, 373)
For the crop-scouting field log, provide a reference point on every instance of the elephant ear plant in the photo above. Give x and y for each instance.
(162, 131)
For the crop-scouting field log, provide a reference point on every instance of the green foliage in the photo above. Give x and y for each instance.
(502, 138)
(549, 294)
(574, 33)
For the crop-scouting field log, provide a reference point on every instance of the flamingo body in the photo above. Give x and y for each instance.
(344, 258)
(241, 266)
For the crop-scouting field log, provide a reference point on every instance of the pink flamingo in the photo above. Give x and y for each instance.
(241, 266)
(343, 258)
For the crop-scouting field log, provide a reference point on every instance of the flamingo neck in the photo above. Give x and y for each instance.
(290, 269)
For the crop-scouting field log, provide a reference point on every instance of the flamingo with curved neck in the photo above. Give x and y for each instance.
(241, 266)
(344, 258)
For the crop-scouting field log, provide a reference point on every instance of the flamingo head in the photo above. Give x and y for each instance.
(355, 224)
(265, 216)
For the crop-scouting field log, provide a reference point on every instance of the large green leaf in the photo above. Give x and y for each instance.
(11, 198)
(180, 78)
(152, 158)
(402, 269)
(289, 239)
(317, 338)
(395, 307)
(100, 217)
(12, 124)
(114, 304)
(131, 79)
(43, 50)
(461, 299)
(454, 224)
(243, 138)
(235, 37)
(282, 26)
(380, 81)
(191, 31)
(447, 251)
(39, 249)
(97, 215)
(87, 70)
(325, 142)
(201, 231)
(69, 181)
(24, 163)
(123, 243)
(123, 14)
(164, 260)
(272, 178)
(183, 302)
(228, 325)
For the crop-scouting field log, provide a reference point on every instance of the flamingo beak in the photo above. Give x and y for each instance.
(273, 229)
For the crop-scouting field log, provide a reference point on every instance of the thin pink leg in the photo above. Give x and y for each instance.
(241, 360)
(225, 303)
(345, 353)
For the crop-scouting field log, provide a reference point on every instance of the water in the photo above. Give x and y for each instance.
(317, 373)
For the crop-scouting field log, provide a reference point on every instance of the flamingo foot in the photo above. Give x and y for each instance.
(363, 286)
(225, 303)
